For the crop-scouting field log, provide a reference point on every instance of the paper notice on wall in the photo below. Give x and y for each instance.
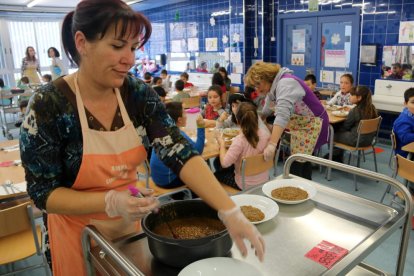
(326, 76)
(298, 59)
(388, 55)
(227, 54)
(211, 44)
(193, 44)
(335, 58)
(338, 75)
(235, 57)
(235, 78)
(178, 46)
(238, 68)
(298, 40)
(406, 32)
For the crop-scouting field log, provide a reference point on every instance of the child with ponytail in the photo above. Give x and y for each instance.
(251, 141)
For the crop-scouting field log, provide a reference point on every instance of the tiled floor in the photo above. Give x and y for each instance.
(385, 256)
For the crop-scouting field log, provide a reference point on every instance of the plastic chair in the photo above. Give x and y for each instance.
(253, 165)
(364, 127)
(191, 102)
(20, 238)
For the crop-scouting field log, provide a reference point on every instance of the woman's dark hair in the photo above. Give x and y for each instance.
(1, 83)
(237, 98)
(94, 17)
(28, 57)
(349, 76)
(175, 110)
(368, 110)
(217, 79)
(226, 75)
(248, 120)
(57, 54)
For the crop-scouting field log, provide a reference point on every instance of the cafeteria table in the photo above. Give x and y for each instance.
(354, 223)
(410, 149)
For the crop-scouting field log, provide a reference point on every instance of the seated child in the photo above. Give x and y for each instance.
(179, 88)
(214, 107)
(161, 174)
(310, 81)
(184, 77)
(404, 125)
(251, 141)
(364, 110)
(23, 83)
(165, 79)
(342, 96)
(147, 78)
(229, 120)
(161, 92)
(46, 78)
(157, 81)
(23, 106)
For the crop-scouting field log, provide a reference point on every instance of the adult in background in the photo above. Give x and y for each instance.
(31, 66)
(56, 68)
(296, 105)
(81, 152)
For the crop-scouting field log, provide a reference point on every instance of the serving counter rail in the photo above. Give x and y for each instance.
(356, 224)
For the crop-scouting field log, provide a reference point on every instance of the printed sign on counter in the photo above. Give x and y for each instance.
(326, 253)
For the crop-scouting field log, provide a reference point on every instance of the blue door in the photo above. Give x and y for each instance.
(323, 43)
(299, 43)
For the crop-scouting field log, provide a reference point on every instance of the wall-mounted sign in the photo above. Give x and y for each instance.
(406, 32)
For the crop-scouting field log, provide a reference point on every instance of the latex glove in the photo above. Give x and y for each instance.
(269, 151)
(129, 207)
(240, 228)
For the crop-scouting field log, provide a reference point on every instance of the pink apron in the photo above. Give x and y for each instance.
(109, 161)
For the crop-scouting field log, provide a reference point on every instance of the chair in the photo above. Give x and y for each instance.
(364, 127)
(253, 165)
(393, 147)
(20, 238)
(191, 102)
(403, 167)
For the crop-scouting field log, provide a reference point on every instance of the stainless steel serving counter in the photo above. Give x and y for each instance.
(354, 223)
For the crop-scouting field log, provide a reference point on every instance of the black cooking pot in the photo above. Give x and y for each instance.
(177, 252)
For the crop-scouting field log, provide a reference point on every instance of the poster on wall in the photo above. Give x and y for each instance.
(298, 40)
(211, 44)
(298, 59)
(238, 68)
(406, 32)
(335, 58)
(313, 5)
(193, 44)
(235, 56)
(178, 46)
(338, 75)
(326, 76)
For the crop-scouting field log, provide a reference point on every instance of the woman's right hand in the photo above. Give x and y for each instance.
(240, 228)
(130, 208)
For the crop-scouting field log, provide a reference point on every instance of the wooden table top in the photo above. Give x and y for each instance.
(9, 155)
(334, 119)
(211, 148)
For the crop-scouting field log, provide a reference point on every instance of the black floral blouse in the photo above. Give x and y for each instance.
(51, 136)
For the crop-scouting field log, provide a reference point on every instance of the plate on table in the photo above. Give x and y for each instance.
(231, 132)
(340, 113)
(333, 107)
(219, 266)
(266, 205)
(296, 183)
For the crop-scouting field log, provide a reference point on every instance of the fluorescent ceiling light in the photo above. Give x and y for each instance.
(33, 3)
(133, 2)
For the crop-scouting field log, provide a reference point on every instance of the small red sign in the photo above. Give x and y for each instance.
(326, 254)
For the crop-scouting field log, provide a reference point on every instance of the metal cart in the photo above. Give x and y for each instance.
(9, 113)
(357, 224)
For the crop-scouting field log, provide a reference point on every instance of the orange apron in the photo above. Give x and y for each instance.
(109, 161)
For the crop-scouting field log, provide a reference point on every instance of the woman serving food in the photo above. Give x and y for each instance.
(85, 134)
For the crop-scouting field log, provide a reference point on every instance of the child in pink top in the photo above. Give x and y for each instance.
(251, 141)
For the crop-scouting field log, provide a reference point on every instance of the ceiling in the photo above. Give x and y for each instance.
(68, 5)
